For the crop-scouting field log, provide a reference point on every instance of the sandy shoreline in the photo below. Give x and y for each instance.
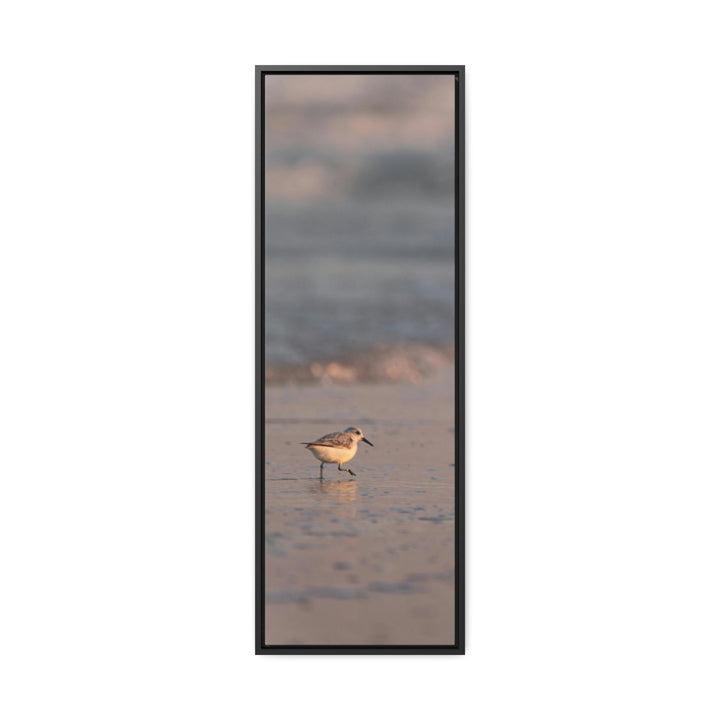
(369, 560)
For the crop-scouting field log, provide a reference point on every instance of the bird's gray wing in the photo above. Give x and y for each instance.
(336, 439)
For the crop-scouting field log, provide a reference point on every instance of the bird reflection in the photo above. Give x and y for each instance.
(342, 493)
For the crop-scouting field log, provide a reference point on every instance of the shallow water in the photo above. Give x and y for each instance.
(367, 551)
(369, 559)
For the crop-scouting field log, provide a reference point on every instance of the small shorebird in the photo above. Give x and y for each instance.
(337, 447)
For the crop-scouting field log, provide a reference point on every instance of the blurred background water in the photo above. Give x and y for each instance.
(359, 233)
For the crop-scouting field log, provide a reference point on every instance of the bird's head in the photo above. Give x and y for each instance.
(359, 434)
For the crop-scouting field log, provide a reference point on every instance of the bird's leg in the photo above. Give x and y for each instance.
(321, 467)
(347, 470)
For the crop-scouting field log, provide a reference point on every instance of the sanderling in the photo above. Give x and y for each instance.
(337, 447)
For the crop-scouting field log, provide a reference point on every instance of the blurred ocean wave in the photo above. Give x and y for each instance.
(359, 226)
(411, 362)
(390, 175)
(353, 276)
(373, 230)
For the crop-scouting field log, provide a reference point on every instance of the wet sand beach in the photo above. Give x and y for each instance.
(365, 560)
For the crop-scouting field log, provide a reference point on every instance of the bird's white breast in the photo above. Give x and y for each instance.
(333, 454)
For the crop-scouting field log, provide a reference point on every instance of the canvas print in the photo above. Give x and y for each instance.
(359, 339)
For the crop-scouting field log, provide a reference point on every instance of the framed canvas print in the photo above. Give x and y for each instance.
(360, 378)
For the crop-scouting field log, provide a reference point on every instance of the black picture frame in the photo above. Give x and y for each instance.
(458, 647)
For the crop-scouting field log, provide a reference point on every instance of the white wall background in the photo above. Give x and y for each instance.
(126, 368)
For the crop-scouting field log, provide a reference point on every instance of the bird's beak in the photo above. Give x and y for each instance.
(368, 442)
